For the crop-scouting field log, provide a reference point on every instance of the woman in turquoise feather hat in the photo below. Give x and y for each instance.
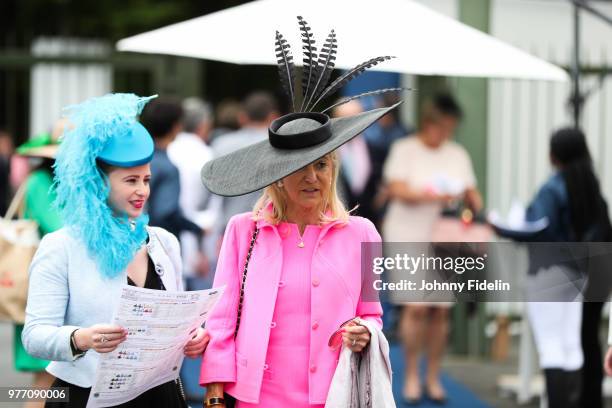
(102, 178)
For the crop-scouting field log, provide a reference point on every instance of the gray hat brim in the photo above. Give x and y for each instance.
(260, 164)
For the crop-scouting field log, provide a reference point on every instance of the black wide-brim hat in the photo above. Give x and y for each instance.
(261, 164)
(299, 138)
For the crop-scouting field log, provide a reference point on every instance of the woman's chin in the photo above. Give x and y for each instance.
(132, 214)
(310, 204)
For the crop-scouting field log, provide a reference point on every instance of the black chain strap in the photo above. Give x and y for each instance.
(244, 276)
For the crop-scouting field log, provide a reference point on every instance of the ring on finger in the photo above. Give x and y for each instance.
(103, 339)
(354, 341)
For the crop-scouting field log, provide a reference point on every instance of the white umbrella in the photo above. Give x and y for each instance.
(424, 41)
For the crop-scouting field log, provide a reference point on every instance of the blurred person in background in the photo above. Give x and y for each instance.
(391, 129)
(189, 152)
(39, 196)
(567, 332)
(6, 151)
(259, 109)
(355, 167)
(379, 139)
(163, 120)
(413, 172)
(226, 118)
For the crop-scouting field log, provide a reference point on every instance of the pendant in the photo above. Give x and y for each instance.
(301, 244)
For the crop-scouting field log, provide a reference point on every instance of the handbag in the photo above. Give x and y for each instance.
(460, 233)
(230, 402)
(461, 226)
(19, 240)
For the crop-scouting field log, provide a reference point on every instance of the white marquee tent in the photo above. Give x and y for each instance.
(424, 41)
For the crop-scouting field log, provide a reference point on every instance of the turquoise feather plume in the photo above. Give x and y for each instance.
(83, 191)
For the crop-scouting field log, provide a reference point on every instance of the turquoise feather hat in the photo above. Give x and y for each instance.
(106, 129)
(131, 149)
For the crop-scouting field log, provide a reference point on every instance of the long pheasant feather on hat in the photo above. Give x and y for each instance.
(326, 63)
(310, 62)
(286, 68)
(316, 71)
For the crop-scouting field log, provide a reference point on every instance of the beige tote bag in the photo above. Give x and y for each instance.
(18, 242)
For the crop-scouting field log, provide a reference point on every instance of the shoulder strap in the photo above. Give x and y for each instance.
(17, 202)
(244, 276)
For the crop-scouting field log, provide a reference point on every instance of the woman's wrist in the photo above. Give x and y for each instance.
(214, 395)
(214, 390)
(80, 339)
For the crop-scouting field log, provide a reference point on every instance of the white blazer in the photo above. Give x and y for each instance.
(66, 292)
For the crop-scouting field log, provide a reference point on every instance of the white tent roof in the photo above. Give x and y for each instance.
(424, 41)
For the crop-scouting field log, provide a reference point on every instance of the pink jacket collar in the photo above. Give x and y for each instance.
(263, 223)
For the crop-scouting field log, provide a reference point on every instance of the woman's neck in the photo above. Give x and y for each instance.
(424, 138)
(303, 217)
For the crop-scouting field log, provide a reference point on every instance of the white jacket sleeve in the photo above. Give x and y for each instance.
(44, 335)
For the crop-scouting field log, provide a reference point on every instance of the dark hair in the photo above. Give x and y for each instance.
(104, 168)
(259, 105)
(388, 99)
(46, 164)
(160, 115)
(447, 105)
(441, 104)
(588, 208)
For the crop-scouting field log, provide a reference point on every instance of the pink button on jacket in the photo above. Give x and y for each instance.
(335, 298)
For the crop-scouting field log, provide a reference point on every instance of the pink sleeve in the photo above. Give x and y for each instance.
(219, 359)
(371, 311)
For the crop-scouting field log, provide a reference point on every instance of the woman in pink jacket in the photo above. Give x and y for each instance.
(292, 267)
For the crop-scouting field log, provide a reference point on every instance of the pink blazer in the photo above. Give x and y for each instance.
(335, 298)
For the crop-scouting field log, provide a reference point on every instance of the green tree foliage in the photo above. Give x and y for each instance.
(23, 20)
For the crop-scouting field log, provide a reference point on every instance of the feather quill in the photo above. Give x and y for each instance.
(286, 67)
(348, 76)
(326, 63)
(370, 93)
(310, 65)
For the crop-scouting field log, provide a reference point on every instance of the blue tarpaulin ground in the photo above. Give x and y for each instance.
(458, 396)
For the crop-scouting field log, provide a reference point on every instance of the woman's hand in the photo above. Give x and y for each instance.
(197, 345)
(474, 200)
(214, 390)
(608, 362)
(102, 338)
(355, 337)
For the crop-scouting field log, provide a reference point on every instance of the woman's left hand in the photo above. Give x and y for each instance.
(355, 337)
(196, 346)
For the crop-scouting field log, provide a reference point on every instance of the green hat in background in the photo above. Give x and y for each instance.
(43, 145)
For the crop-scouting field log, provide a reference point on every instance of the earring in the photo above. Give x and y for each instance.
(279, 184)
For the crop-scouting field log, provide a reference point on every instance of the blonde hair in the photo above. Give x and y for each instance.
(333, 208)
